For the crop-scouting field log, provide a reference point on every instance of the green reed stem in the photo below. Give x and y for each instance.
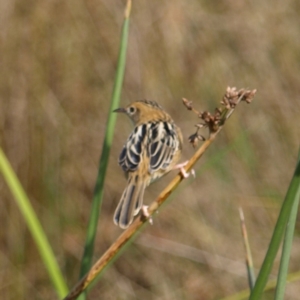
(283, 218)
(287, 245)
(98, 191)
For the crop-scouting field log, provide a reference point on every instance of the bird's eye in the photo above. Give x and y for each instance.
(131, 110)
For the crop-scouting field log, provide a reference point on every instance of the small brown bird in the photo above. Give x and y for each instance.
(151, 150)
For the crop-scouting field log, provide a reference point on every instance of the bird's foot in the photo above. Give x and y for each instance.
(145, 214)
(184, 173)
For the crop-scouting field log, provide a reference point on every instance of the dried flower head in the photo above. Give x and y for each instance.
(195, 138)
(248, 96)
(211, 121)
(187, 104)
(214, 121)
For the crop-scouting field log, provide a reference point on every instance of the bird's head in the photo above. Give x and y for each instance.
(141, 111)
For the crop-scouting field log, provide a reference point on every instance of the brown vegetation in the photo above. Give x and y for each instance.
(58, 63)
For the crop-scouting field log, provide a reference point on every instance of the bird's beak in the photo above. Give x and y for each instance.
(120, 110)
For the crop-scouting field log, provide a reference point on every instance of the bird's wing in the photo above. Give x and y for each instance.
(162, 145)
(131, 154)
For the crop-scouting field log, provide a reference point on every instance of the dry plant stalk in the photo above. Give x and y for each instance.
(249, 260)
(214, 123)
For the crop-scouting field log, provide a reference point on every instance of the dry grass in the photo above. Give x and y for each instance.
(57, 68)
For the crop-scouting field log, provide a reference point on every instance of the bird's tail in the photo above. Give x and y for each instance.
(131, 201)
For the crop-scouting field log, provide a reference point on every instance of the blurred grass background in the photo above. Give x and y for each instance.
(58, 63)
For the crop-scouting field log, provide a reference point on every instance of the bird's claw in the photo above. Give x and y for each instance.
(145, 214)
(183, 172)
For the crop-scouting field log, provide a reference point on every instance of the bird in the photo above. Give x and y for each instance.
(152, 149)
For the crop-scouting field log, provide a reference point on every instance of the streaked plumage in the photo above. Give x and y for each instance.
(151, 150)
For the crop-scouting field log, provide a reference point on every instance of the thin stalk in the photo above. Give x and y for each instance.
(249, 260)
(99, 187)
(127, 236)
(129, 233)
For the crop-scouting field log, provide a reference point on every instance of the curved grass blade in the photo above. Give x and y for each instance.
(277, 235)
(34, 226)
(287, 245)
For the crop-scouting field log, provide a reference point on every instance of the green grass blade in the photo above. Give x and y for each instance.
(98, 192)
(277, 235)
(34, 226)
(244, 294)
(287, 245)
